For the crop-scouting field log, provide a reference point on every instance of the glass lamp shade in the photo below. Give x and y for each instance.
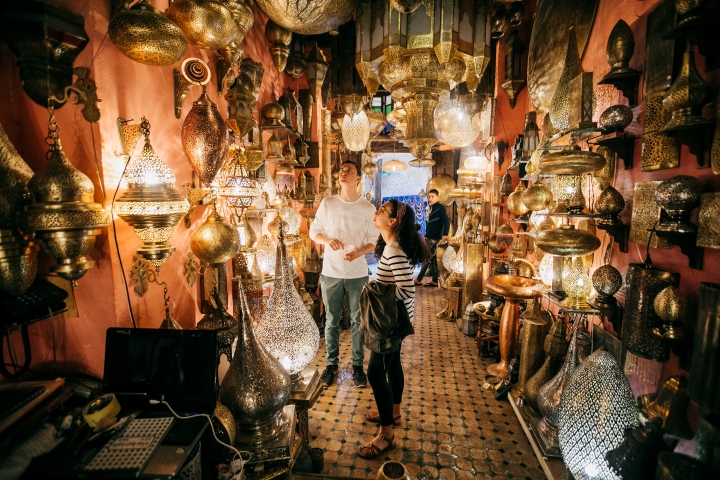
(394, 167)
(546, 269)
(285, 177)
(356, 131)
(265, 255)
(577, 283)
(238, 188)
(596, 407)
(151, 205)
(455, 125)
(287, 330)
(292, 219)
(274, 148)
(569, 188)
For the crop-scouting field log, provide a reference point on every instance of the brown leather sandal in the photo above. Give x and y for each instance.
(374, 416)
(371, 450)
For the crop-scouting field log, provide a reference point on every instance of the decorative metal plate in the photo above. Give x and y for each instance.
(548, 43)
(658, 151)
(708, 226)
(645, 213)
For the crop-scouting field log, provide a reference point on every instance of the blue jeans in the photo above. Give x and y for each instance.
(333, 290)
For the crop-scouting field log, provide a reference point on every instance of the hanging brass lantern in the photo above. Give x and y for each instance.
(238, 188)
(215, 241)
(273, 114)
(242, 96)
(204, 134)
(63, 215)
(296, 62)
(279, 39)
(151, 205)
(207, 24)
(18, 261)
(514, 201)
(229, 55)
(316, 71)
(308, 18)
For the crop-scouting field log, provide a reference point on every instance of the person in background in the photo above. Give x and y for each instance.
(436, 229)
(399, 248)
(344, 225)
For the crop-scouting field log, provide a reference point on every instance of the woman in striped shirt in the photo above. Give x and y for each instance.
(400, 248)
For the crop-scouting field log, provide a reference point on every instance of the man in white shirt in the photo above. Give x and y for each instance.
(344, 225)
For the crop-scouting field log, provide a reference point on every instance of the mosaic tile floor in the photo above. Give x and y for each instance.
(451, 428)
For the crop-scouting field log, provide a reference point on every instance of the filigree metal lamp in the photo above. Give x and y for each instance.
(151, 205)
(287, 330)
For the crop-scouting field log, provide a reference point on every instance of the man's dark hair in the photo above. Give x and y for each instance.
(432, 190)
(357, 167)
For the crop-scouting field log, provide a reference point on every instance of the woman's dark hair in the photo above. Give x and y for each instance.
(408, 237)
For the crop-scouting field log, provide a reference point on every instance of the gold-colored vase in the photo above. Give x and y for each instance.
(63, 215)
(143, 34)
(215, 241)
(205, 139)
(207, 24)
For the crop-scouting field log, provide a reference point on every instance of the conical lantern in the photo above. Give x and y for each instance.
(63, 215)
(686, 97)
(561, 99)
(548, 399)
(143, 34)
(287, 330)
(279, 39)
(151, 205)
(207, 24)
(205, 139)
(215, 241)
(256, 387)
(219, 320)
(316, 71)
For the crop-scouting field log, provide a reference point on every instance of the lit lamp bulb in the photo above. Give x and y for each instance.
(455, 125)
(356, 131)
(265, 255)
(151, 205)
(577, 284)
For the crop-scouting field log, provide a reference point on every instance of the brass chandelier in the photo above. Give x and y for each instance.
(420, 56)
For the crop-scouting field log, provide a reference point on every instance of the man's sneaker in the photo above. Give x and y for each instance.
(328, 376)
(359, 376)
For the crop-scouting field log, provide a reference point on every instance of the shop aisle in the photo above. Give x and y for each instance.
(451, 429)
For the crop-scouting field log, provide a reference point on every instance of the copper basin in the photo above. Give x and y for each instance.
(513, 286)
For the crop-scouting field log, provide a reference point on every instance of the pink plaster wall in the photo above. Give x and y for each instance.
(130, 90)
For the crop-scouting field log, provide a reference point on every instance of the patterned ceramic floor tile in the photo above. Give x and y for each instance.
(451, 427)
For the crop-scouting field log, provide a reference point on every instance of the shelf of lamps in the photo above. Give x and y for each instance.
(554, 468)
(580, 134)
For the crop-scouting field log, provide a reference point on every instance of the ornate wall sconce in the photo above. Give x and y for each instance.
(684, 100)
(619, 51)
(46, 40)
(279, 39)
(242, 97)
(515, 80)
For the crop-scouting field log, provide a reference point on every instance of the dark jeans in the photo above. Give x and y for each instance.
(430, 262)
(385, 375)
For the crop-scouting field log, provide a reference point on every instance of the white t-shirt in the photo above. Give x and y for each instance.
(352, 224)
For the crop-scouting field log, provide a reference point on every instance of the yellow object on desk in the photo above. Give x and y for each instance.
(101, 408)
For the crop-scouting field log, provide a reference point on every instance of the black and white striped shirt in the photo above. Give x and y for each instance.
(394, 267)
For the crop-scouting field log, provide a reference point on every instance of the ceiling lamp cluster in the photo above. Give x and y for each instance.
(420, 56)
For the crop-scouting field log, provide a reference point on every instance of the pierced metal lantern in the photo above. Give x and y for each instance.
(315, 72)
(63, 215)
(215, 241)
(151, 205)
(287, 330)
(219, 320)
(597, 406)
(237, 187)
(207, 24)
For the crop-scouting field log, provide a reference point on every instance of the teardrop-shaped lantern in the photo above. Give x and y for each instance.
(256, 387)
(205, 139)
(287, 330)
(207, 23)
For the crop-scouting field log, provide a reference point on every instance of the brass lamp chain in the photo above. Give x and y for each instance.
(53, 136)
(145, 128)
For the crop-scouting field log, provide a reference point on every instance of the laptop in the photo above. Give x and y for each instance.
(177, 366)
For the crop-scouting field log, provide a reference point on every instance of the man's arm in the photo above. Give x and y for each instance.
(446, 222)
(367, 248)
(317, 230)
